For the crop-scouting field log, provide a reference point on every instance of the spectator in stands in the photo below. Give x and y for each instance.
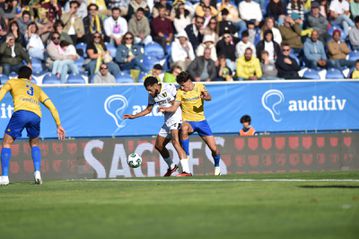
(158, 5)
(291, 34)
(170, 77)
(286, 65)
(224, 73)
(318, 22)
(247, 129)
(24, 21)
(81, 11)
(295, 10)
(200, 9)
(8, 9)
(102, 7)
(268, 67)
(182, 51)
(232, 10)
(15, 30)
(157, 71)
(250, 10)
(324, 8)
(355, 73)
(162, 29)
(35, 46)
(269, 25)
(136, 4)
(276, 10)
(115, 26)
(140, 27)
(3, 28)
(45, 26)
(208, 42)
(98, 54)
(53, 10)
(244, 44)
(354, 35)
(268, 45)
(227, 46)
(226, 25)
(60, 68)
(354, 8)
(12, 55)
(73, 24)
(338, 51)
(122, 4)
(339, 12)
(92, 22)
(103, 76)
(314, 52)
(211, 30)
(203, 68)
(59, 28)
(182, 17)
(128, 54)
(195, 32)
(248, 66)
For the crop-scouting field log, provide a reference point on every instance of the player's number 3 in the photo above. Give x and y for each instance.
(30, 90)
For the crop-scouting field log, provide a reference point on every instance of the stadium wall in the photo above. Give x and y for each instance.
(106, 157)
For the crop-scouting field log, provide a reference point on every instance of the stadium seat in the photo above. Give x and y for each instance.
(354, 55)
(334, 74)
(293, 55)
(154, 50)
(124, 77)
(149, 62)
(50, 79)
(81, 49)
(80, 62)
(36, 65)
(75, 79)
(12, 75)
(311, 74)
(142, 76)
(3, 79)
(111, 48)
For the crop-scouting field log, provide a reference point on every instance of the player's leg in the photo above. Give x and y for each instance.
(181, 153)
(161, 141)
(33, 132)
(5, 159)
(186, 130)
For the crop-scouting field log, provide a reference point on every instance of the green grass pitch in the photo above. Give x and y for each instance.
(183, 209)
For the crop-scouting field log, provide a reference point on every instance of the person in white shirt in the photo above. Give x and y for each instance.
(249, 10)
(34, 45)
(182, 51)
(61, 67)
(340, 13)
(182, 17)
(269, 25)
(208, 42)
(115, 26)
(244, 44)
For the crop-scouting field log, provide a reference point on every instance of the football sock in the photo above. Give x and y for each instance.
(185, 145)
(36, 157)
(169, 162)
(5, 160)
(216, 158)
(185, 166)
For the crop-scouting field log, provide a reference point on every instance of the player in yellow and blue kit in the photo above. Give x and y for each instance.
(27, 114)
(190, 97)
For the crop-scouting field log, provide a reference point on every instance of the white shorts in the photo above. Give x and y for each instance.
(165, 131)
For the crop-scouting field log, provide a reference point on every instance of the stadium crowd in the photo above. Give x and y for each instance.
(112, 41)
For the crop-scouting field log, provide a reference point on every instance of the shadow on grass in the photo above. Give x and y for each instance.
(330, 186)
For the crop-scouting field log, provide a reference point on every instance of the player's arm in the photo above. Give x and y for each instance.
(139, 114)
(6, 88)
(172, 108)
(206, 96)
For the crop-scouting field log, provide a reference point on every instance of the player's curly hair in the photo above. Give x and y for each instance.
(150, 81)
(183, 77)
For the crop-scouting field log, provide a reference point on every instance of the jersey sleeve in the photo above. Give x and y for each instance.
(173, 90)
(6, 88)
(179, 96)
(151, 101)
(45, 100)
(201, 87)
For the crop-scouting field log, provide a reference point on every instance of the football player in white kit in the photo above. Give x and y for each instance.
(164, 95)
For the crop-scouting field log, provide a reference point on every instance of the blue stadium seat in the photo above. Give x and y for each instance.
(354, 55)
(111, 48)
(50, 79)
(12, 75)
(311, 74)
(81, 47)
(334, 74)
(154, 50)
(142, 76)
(293, 55)
(3, 79)
(124, 77)
(36, 65)
(149, 62)
(75, 79)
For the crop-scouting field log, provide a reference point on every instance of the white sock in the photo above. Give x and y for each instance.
(185, 166)
(169, 162)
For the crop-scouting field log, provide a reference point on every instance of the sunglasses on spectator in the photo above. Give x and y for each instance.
(128, 38)
(286, 49)
(104, 68)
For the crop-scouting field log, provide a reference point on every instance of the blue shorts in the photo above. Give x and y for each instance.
(201, 127)
(24, 119)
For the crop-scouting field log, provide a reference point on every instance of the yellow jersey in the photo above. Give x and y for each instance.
(28, 96)
(355, 74)
(192, 103)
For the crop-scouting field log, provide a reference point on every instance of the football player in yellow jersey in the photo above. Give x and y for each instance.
(27, 114)
(190, 97)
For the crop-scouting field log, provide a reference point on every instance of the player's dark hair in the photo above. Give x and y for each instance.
(150, 81)
(25, 72)
(183, 77)
(246, 119)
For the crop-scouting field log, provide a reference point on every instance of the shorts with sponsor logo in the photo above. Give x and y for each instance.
(165, 131)
(201, 127)
(21, 120)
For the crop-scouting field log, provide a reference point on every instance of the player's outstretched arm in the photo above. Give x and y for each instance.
(139, 114)
(172, 108)
(206, 96)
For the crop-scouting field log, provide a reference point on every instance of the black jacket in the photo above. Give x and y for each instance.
(285, 70)
(229, 50)
(195, 40)
(260, 48)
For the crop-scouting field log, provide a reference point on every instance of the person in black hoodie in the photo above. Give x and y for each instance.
(195, 32)
(269, 45)
(286, 65)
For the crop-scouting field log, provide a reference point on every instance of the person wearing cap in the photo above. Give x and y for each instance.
(354, 35)
(208, 42)
(244, 44)
(338, 51)
(318, 22)
(182, 51)
(340, 14)
(248, 66)
(314, 52)
(203, 68)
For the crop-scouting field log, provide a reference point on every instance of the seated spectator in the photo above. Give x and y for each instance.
(286, 65)
(128, 54)
(82, 9)
(227, 46)
(339, 12)
(354, 35)
(12, 55)
(295, 10)
(103, 76)
(195, 32)
(354, 8)
(182, 51)
(314, 52)
(8, 9)
(182, 17)
(15, 30)
(170, 77)
(268, 67)
(208, 42)
(318, 22)
(3, 28)
(224, 73)
(162, 29)
(115, 26)
(140, 27)
(203, 68)
(276, 10)
(35, 46)
(102, 7)
(269, 25)
(355, 73)
(248, 66)
(226, 25)
(122, 4)
(157, 72)
(244, 44)
(24, 21)
(338, 51)
(211, 30)
(233, 14)
(73, 22)
(53, 10)
(158, 5)
(250, 10)
(98, 54)
(92, 22)
(44, 25)
(59, 28)
(247, 129)
(200, 9)
(60, 68)
(136, 4)
(268, 45)
(324, 8)
(291, 34)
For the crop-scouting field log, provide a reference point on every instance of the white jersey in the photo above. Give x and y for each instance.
(164, 99)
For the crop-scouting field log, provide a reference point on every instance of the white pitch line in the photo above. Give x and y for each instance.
(220, 180)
